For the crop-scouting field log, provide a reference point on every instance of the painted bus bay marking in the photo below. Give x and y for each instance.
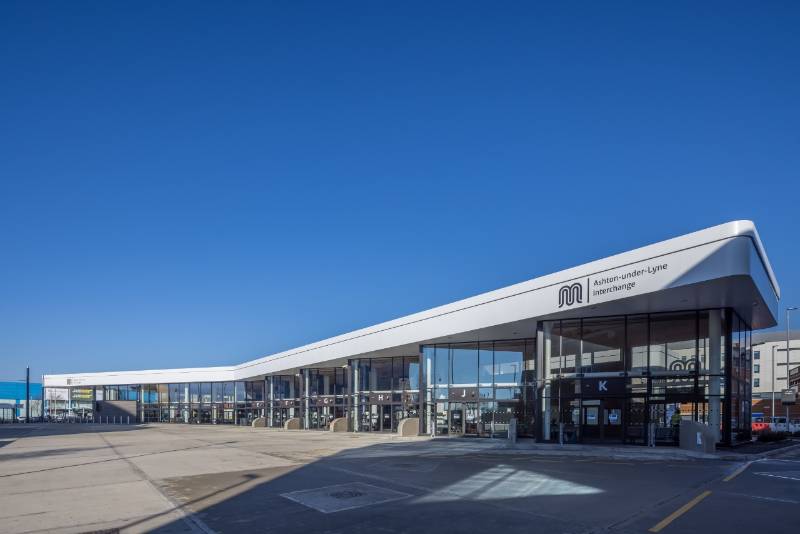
(737, 472)
(658, 527)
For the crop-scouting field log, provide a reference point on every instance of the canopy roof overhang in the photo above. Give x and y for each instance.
(719, 267)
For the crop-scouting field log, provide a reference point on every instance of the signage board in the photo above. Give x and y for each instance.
(462, 394)
(326, 400)
(788, 397)
(380, 398)
(601, 386)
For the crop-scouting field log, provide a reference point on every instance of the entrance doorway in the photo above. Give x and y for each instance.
(665, 420)
(464, 418)
(380, 417)
(601, 420)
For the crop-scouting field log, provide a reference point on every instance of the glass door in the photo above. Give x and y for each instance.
(456, 419)
(442, 425)
(665, 418)
(386, 418)
(590, 420)
(611, 430)
(471, 418)
(635, 421)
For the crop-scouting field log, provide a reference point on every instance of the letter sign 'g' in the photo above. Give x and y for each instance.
(602, 385)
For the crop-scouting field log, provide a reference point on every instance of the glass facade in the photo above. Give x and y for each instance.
(476, 388)
(625, 379)
(202, 402)
(284, 398)
(633, 378)
(386, 391)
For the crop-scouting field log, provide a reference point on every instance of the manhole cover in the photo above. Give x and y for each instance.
(346, 494)
(330, 499)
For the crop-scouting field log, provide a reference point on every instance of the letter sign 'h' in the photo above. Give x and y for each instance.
(602, 385)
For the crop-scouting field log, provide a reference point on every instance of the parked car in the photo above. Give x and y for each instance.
(778, 424)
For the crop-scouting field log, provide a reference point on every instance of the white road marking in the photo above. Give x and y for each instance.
(764, 474)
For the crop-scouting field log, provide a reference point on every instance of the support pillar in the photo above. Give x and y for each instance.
(714, 368)
(270, 399)
(356, 395)
(306, 400)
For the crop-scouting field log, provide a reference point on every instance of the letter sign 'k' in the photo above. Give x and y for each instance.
(602, 385)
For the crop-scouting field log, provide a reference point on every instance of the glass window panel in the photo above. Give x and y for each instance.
(174, 393)
(194, 393)
(163, 393)
(241, 395)
(703, 348)
(257, 391)
(397, 373)
(508, 357)
(381, 374)
(529, 371)
(570, 346)
(365, 375)
(672, 343)
(441, 365)
(227, 392)
(464, 363)
(205, 393)
(637, 343)
(486, 363)
(412, 371)
(603, 344)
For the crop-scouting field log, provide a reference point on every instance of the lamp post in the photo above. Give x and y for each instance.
(788, 352)
(772, 412)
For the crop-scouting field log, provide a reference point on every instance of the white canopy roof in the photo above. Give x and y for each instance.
(722, 266)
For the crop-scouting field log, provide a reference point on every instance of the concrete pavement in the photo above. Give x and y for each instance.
(176, 478)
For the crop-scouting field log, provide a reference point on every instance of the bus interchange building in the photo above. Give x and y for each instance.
(613, 351)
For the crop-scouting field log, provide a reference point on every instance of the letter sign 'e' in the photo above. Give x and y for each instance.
(602, 385)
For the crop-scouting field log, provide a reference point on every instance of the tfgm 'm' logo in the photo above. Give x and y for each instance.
(570, 294)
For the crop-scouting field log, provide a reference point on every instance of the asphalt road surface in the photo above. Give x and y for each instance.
(173, 478)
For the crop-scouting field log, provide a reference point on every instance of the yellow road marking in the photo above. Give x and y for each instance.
(679, 512)
(737, 472)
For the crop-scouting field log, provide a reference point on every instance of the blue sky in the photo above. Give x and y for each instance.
(195, 183)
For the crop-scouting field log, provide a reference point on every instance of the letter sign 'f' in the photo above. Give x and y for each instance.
(602, 385)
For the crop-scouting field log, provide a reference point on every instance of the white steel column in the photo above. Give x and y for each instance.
(306, 403)
(356, 395)
(714, 368)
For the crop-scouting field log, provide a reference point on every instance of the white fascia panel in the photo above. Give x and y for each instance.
(717, 252)
(155, 376)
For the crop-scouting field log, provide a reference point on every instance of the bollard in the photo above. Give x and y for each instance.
(512, 431)
(560, 433)
(129, 419)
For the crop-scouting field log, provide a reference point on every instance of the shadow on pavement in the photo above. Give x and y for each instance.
(446, 486)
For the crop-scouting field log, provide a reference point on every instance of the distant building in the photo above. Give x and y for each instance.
(769, 371)
(12, 400)
(765, 346)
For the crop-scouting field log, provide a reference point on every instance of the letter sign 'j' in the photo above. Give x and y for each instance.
(602, 385)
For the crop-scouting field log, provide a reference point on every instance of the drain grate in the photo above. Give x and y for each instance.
(330, 499)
